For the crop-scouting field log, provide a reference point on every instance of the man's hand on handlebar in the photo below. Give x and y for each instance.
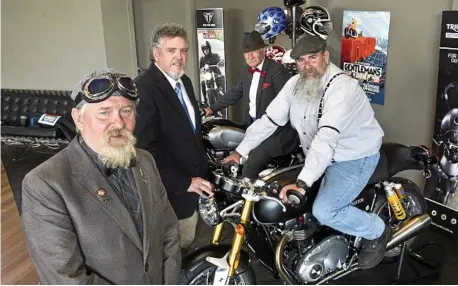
(292, 194)
(208, 111)
(234, 157)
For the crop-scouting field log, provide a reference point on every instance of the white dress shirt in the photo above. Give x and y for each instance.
(188, 103)
(347, 129)
(254, 90)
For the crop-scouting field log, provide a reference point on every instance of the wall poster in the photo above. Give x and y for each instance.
(364, 51)
(441, 188)
(210, 40)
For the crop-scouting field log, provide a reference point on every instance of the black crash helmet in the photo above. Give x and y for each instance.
(316, 21)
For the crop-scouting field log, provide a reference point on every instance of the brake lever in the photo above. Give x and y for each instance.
(275, 199)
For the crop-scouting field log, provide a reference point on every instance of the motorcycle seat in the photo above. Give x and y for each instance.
(395, 158)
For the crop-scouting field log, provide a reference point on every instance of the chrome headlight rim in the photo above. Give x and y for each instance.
(209, 211)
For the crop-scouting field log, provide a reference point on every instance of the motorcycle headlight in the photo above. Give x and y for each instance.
(208, 210)
(207, 76)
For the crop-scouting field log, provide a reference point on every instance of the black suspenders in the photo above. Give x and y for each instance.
(320, 108)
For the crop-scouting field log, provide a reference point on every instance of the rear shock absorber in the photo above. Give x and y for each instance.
(394, 201)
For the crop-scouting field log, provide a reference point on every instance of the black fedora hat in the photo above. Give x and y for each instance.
(252, 41)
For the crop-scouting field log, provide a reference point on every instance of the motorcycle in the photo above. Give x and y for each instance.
(213, 83)
(444, 183)
(222, 136)
(288, 241)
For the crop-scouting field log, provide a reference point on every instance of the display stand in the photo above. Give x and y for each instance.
(415, 256)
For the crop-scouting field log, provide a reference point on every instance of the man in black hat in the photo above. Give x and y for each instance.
(340, 137)
(260, 83)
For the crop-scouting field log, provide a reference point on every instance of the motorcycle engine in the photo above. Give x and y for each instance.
(325, 257)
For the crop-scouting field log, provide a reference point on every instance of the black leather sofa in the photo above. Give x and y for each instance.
(32, 104)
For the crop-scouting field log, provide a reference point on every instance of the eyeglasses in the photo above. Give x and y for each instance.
(100, 88)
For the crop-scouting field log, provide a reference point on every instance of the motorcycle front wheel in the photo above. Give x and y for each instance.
(205, 274)
(415, 204)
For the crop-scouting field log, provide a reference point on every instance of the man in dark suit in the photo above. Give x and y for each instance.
(169, 126)
(97, 212)
(260, 83)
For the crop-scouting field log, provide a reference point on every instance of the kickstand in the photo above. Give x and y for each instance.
(400, 264)
(413, 254)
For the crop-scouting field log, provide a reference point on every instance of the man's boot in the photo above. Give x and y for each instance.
(372, 251)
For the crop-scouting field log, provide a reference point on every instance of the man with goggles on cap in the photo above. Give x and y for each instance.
(97, 212)
(340, 137)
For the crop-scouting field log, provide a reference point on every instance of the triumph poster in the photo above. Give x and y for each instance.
(442, 187)
(212, 73)
(365, 50)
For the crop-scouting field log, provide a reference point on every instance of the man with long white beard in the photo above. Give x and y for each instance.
(97, 212)
(340, 137)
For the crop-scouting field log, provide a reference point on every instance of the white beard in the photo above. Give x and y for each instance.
(308, 89)
(118, 156)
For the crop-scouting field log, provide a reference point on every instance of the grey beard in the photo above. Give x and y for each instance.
(308, 89)
(176, 75)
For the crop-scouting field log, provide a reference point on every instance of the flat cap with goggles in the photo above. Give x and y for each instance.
(100, 85)
(308, 44)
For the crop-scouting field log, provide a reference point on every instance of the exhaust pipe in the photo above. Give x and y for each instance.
(408, 230)
(279, 259)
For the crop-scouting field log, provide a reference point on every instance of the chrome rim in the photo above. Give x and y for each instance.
(207, 276)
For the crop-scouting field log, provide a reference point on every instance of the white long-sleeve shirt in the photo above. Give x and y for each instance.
(346, 131)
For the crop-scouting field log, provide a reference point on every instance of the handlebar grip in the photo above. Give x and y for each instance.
(296, 197)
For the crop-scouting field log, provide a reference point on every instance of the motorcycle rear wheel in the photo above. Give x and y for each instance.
(415, 205)
(205, 274)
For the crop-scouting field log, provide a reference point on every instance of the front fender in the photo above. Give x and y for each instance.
(198, 257)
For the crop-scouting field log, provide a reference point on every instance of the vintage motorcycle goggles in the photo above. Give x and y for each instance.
(102, 87)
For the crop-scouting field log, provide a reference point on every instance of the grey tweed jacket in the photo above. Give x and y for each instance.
(78, 231)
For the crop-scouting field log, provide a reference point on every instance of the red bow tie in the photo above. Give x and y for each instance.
(253, 70)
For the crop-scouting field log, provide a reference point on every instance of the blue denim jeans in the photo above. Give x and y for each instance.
(342, 183)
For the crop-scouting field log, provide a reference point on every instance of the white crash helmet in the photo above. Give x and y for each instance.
(289, 62)
(275, 52)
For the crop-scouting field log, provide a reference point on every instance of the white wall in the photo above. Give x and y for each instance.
(119, 35)
(151, 13)
(50, 44)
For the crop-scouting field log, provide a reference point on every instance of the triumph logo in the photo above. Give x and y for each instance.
(454, 29)
(208, 17)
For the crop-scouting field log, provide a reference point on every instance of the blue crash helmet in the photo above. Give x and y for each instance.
(271, 22)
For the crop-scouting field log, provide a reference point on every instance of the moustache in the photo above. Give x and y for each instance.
(118, 132)
(178, 63)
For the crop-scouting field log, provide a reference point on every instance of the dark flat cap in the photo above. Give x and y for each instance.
(308, 44)
(252, 41)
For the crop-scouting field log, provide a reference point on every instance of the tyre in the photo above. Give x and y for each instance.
(211, 95)
(415, 204)
(205, 274)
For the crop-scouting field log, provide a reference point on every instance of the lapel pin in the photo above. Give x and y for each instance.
(142, 177)
(102, 194)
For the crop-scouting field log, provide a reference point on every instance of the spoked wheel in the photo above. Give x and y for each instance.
(205, 275)
(415, 204)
